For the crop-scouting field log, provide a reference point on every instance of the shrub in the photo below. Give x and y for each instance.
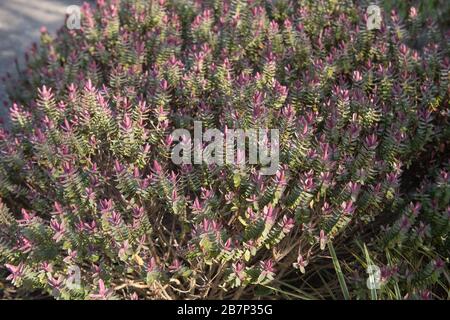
(414, 243)
(87, 182)
(407, 257)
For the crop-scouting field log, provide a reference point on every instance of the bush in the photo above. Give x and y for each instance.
(87, 183)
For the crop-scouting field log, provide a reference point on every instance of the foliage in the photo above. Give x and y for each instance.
(86, 178)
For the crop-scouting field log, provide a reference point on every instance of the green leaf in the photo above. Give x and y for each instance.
(237, 180)
(247, 255)
(339, 272)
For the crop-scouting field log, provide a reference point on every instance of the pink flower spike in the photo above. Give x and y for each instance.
(103, 293)
(157, 167)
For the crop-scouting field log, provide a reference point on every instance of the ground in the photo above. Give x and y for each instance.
(20, 22)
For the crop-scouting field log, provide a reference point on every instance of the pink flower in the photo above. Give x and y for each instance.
(300, 264)
(197, 206)
(157, 167)
(91, 227)
(16, 271)
(46, 267)
(118, 166)
(134, 296)
(25, 245)
(58, 228)
(270, 214)
(348, 207)
(413, 12)
(106, 205)
(322, 239)
(238, 269)
(89, 87)
(103, 292)
(227, 244)
(124, 249)
(27, 217)
(71, 256)
(55, 283)
(371, 142)
(152, 265)
(126, 124)
(405, 223)
(267, 267)
(439, 264)
(58, 208)
(138, 212)
(357, 76)
(45, 94)
(116, 218)
(175, 266)
(287, 224)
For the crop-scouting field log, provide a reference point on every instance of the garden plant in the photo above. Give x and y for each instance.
(93, 207)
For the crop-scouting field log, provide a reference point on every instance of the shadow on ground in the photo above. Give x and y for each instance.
(20, 22)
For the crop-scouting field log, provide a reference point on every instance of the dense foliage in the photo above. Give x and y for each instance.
(86, 179)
